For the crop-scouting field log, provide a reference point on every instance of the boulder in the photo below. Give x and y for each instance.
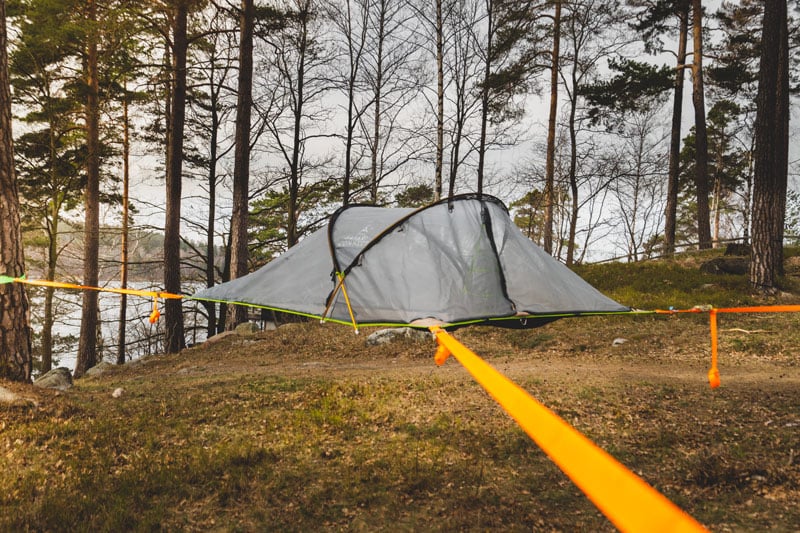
(390, 335)
(219, 336)
(59, 378)
(99, 368)
(737, 249)
(726, 265)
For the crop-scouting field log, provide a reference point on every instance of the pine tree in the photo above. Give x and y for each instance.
(241, 164)
(772, 150)
(15, 330)
(50, 155)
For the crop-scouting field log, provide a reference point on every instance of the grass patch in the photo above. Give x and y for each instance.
(307, 428)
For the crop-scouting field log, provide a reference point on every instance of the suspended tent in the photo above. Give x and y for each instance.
(456, 262)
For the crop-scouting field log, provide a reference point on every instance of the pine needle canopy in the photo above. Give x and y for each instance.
(456, 262)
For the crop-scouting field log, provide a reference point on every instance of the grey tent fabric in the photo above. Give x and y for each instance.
(455, 262)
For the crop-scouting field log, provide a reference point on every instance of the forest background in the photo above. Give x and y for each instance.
(218, 134)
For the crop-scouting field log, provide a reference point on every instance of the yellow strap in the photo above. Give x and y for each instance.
(347, 301)
(62, 285)
(332, 298)
(626, 500)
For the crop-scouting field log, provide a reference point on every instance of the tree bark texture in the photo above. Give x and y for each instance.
(376, 127)
(123, 268)
(87, 341)
(549, 173)
(701, 136)
(294, 183)
(211, 307)
(771, 150)
(671, 208)
(437, 189)
(487, 72)
(15, 330)
(173, 319)
(241, 163)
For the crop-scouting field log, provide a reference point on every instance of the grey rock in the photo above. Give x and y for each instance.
(390, 335)
(59, 378)
(220, 336)
(99, 368)
(726, 265)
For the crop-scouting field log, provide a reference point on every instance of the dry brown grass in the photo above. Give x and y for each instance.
(307, 428)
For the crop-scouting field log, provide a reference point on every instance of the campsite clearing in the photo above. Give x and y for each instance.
(307, 428)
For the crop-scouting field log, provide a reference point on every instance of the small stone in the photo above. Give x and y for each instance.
(117, 392)
(618, 341)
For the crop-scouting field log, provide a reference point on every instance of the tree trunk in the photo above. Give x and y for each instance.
(173, 319)
(355, 62)
(573, 166)
(123, 268)
(376, 133)
(771, 151)
(211, 307)
(15, 329)
(456, 147)
(716, 199)
(701, 136)
(549, 179)
(487, 72)
(49, 292)
(87, 342)
(573, 181)
(294, 184)
(671, 209)
(241, 163)
(437, 189)
(52, 225)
